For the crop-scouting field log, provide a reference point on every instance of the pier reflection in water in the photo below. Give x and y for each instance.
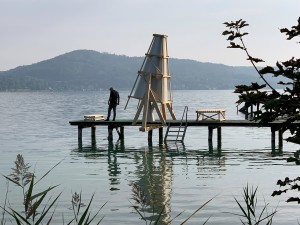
(153, 173)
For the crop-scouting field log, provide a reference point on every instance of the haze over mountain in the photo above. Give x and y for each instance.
(91, 70)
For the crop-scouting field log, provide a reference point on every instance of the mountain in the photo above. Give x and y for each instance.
(91, 70)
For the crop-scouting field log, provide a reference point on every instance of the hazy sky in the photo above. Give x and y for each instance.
(36, 30)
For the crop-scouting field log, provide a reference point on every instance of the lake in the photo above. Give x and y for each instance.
(179, 177)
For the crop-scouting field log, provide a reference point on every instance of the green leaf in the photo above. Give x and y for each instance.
(256, 60)
(226, 32)
(18, 216)
(234, 45)
(28, 198)
(197, 210)
(35, 206)
(86, 211)
(244, 24)
(267, 69)
(231, 37)
(49, 207)
(49, 171)
(159, 216)
(11, 180)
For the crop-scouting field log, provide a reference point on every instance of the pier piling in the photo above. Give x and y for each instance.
(160, 135)
(93, 135)
(210, 136)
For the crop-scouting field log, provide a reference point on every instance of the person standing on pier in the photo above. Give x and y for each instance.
(113, 101)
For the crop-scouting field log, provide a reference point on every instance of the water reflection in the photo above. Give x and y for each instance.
(114, 169)
(153, 171)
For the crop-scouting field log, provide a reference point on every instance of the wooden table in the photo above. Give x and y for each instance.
(211, 114)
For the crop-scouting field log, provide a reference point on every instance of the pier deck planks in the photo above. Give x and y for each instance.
(195, 123)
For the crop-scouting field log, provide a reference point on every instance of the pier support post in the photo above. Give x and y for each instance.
(121, 135)
(273, 132)
(150, 134)
(210, 137)
(93, 135)
(110, 133)
(79, 136)
(219, 137)
(280, 137)
(273, 137)
(210, 134)
(160, 135)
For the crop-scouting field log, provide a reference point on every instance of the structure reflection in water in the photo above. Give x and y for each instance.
(153, 171)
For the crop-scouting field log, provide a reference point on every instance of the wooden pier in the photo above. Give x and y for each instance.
(210, 124)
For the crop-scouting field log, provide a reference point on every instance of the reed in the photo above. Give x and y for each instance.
(38, 207)
(249, 209)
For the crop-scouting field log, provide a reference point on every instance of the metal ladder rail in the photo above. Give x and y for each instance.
(179, 128)
(186, 109)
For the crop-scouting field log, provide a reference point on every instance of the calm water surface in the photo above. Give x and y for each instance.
(180, 177)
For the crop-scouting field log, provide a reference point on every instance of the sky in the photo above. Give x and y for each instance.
(37, 30)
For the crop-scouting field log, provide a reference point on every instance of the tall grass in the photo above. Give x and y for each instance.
(38, 208)
(249, 209)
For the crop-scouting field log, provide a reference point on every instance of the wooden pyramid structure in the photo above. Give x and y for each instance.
(152, 86)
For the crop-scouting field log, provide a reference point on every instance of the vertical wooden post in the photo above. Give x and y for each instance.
(150, 134)
(210, 138)
(93, 135)
(160, 135)
(210, 148)
(110, 133)
(273, 131)
(210, 133)
(280, 138)
(121, 133)
(80, 137)
(219, 137)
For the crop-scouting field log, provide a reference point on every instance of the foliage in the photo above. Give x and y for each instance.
(37, 210)
(249, 210)
(290, 184)
(85, 217)
(283, 106)
(274, 104)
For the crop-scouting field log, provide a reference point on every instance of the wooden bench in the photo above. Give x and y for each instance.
(211, 114)
(94, 117)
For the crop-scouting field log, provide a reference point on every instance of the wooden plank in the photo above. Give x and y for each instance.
(202, 123)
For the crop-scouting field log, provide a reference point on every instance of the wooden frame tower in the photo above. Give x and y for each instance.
(152, 86)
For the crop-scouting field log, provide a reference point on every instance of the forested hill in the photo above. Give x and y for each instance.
(91, 70)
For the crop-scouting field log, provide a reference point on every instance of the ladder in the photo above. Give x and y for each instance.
(177, 133)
